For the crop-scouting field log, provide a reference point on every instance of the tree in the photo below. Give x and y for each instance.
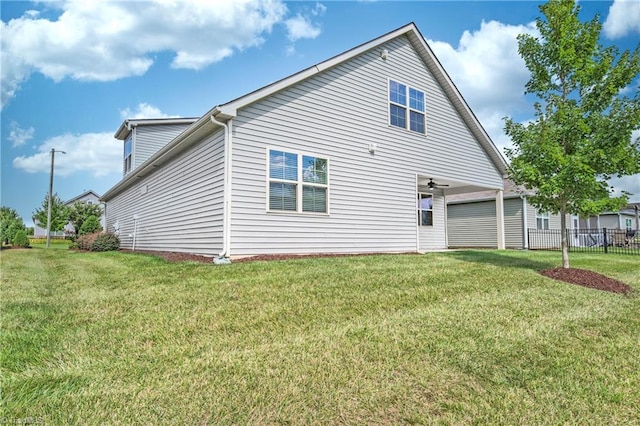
(10, 223)
(581, 135)
(59, 213)
(79, 212)
(89, 226)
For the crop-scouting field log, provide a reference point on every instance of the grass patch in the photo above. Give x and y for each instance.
(459, 337)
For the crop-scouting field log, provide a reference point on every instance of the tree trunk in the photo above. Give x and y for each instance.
(563, 232)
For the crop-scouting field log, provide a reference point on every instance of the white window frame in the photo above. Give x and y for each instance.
(127, 165)
(299, 182)
(420, 210)
(407, 107)
(542, 216)
(628, 223)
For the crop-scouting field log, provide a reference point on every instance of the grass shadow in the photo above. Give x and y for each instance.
(507, 259)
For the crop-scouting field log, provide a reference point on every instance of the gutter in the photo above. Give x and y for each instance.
(224, 255)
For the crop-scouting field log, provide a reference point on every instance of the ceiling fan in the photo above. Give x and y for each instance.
(432, 185)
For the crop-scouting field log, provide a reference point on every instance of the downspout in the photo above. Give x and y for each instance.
(525, 231)
(500, 219)
(223, 257)
(637, 218)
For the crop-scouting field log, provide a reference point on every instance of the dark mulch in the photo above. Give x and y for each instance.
(182, 257)
(586, 278)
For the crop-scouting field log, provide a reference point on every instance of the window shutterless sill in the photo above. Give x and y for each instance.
(292, 213)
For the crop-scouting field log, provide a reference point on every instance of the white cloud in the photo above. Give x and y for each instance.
(19, 136)
(97, 154)
(486, 66)
(301, 27)
(623, 18)
(144, 110)
(107, 40)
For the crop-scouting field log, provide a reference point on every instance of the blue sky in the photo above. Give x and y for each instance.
(72, 71)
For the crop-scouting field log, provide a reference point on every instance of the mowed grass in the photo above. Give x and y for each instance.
(470, 337)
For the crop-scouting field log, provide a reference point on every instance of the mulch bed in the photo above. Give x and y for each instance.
(581, 277)
(586, 278)
(182, 257)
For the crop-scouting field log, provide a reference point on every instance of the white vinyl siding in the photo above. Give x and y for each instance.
(513, 223)
(150, 139)
(434, 237)
(179, 205)
(373, 196)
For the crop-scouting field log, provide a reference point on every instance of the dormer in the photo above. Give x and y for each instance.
(144, 137)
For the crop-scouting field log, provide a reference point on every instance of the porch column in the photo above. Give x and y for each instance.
(500, 218)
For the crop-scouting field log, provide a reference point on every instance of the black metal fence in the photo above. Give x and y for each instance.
(587, 240)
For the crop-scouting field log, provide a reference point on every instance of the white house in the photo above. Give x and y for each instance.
(348, 156)
(88, 197)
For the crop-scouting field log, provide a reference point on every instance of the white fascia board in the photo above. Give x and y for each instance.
(229, 109)
(126, 126)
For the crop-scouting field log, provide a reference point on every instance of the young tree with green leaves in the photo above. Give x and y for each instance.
(89, 226)
(59, 213)
(10, 223)
(79, 212)
(581, 135)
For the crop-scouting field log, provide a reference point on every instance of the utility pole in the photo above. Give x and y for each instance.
(53, 156)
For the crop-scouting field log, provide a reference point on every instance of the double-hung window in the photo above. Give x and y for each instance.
(425, 209)
(128, 149)
(542, 220)
(298, 182)
(406, 107)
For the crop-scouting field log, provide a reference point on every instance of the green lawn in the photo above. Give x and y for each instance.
(471, 337)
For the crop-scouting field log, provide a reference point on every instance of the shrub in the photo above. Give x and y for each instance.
(106, 242)
(21, 239)
(85, 242)
(90, 226)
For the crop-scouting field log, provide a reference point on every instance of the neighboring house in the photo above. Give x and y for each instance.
(336, 158)
(89, 197)
(471, 218)
(626, 218)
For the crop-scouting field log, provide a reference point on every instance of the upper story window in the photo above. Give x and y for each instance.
(425, 209)
(542, 220)
(298, 182)
(128, 149)
(406, 107)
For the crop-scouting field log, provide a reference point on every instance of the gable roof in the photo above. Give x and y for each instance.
(127, 125)
(229, 110)
(84, 194)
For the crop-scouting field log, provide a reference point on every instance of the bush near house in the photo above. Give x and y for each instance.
(106, 242)
(98, 241)
(84, 242)
(21, 239)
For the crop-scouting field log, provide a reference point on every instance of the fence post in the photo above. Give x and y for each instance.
(606, 241)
